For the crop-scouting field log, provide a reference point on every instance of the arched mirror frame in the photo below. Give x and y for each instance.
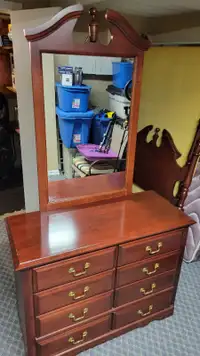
(56, 36)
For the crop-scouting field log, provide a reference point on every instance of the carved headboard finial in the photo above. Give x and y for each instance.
(93, 26)
(155, 136)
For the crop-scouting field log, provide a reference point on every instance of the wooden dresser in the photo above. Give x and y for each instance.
(87, 275)
(96, 261)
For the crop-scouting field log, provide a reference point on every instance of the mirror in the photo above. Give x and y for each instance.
(86, 121)
(52, 45)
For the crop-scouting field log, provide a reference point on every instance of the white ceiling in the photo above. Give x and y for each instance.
(148, 7)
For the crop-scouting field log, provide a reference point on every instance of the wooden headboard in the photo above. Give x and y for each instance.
(156, 167)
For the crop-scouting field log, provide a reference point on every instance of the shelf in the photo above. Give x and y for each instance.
(4, 90)
(11, 89)
(6, 49)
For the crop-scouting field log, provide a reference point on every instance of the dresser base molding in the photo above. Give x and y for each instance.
(117, 332)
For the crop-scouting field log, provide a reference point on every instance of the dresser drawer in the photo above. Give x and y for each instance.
(70, 339)
(73, 315)
(143, 288)
(73, 269)
(149, 247)
(59, 297)
(145, 269)
(139, 310)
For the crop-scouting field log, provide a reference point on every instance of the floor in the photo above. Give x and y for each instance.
(175, 336)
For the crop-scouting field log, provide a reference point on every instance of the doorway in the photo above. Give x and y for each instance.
(11, 178)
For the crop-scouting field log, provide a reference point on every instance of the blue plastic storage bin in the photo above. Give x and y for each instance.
(74, 98)
(74, 127)
(122, 73)
(99, 127)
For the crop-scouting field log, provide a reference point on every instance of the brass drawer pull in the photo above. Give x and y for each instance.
(73, 294)
(72, 341)
(143, 291)
(151, 252)
(145, 270)
(72, 316)
(75, 274)
(140, 312)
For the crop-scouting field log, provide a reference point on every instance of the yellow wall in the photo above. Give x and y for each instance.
(171, 93)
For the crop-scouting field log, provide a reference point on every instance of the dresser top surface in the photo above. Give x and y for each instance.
(39, 238)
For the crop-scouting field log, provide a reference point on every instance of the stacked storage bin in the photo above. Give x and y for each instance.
(99, 127)
(73, 115)
(122, 74)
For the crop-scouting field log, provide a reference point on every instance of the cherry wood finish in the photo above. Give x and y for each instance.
(74, 269)
(62, 342)
(24, 291)
(56, 36)
(34, 236)
(117, 332)
(5, 70)
(58, 297)
(178, 270)
(5, 77)
(142, 270)
(135, 311)
(45, 246)
(71, 190)
(73, 315)
(149, 286)
(152, 247)
(76, 261)
(156, 167)
(4, 25)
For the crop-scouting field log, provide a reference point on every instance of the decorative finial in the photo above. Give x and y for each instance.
(93, 26)
(155, 136)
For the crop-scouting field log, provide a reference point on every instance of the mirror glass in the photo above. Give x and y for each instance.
(87, 102)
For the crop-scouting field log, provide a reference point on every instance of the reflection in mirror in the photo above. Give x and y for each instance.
(80, 33)
(86, 118)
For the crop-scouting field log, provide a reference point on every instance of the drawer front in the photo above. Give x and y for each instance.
(139, 310)
(73, 315)
(145, 269)
(59, 297)
(73, 269)
(69, 340)
(147, 248)
(144, 288)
